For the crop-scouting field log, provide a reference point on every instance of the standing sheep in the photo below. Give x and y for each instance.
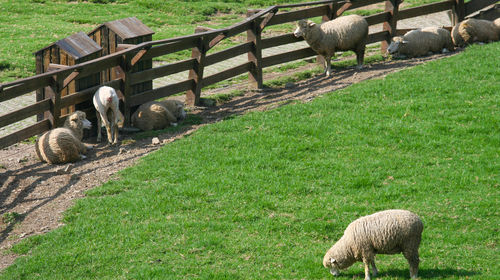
(475, 30)
(158, 114)
(63, 144)
(421, 42)
(106, 103)
(385, 232)
(347, 33)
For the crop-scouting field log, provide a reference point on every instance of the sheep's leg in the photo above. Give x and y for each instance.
(367, 262)
(115, 127)
(413, 260)
(374, 268)
(328, 68)
(99, 126)
(360, 56)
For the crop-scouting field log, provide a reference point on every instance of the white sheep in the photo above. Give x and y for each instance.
(63, 144)
(385, 232)
(158, 114)
(106, 103)
(421, 42)
(475, 30)
(347, 33)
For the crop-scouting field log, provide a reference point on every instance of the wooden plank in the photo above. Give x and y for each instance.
(170, 48)
(161, 71)
(377, 37)
(288, 56)
(280, 40)
(24, 133)
(378, 18)
(24, 112)
(227, 53)
(476, 5)
(425, 9)
(196, 73)
(305, 4)
(161, 92)
(31, 84)
(226, 74)
(87, 94)
(392, 7)
(298, 15)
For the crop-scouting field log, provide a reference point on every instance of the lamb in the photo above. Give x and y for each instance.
(158, 114)
(63, 144)
(421, 42)
(343, 33)
(385, 232)
(475, 30)
(106, 103)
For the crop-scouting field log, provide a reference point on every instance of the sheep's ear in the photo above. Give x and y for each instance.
(404, 42)
(311, 24)
(140, 114)
(332, 260)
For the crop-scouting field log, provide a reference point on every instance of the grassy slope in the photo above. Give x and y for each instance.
(263, 196)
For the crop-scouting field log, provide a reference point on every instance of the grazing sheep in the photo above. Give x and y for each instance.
(385, 232)
(421, 42)
(347, 33)
(106, 103)
(63, 144)
(158, 114)
(475, 30)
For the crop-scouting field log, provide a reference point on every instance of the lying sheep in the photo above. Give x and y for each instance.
(421, 42)
(158, 114)
(385, 232)
(63, 144)
(343, 33)
(475, 30)
(106, 103)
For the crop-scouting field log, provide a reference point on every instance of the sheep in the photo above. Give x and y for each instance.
(63, 144)
(385, 232)
(106, 103)
(343, 33)
(158, 114)
(421, 42)
(475, 30)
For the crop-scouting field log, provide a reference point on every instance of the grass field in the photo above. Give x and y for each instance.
(26, 26)
(264, 195)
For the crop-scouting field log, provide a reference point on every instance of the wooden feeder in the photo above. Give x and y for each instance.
(69, 51)
(116, 35)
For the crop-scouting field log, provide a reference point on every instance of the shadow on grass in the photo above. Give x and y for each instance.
(431, 273)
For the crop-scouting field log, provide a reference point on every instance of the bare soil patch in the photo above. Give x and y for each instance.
(34, 195)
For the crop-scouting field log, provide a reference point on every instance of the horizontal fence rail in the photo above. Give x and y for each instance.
(201, 43)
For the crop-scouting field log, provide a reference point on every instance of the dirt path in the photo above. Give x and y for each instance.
(37, 194)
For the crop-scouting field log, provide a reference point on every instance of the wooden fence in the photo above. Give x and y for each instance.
(200, 43)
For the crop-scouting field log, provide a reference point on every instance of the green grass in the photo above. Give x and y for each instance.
(27, 26)
(264, 195)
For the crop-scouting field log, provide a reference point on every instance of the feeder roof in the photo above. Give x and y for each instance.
(78, 45)
(129, 28)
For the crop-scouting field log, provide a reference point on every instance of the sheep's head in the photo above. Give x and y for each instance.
(336, 260)
(78, 120)
(396, 44)
(180, 112)
(302, 27)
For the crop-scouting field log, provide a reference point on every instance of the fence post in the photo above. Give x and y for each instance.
(457, 12)
(196, 74)
(56, 88)
(391, 6)
(331, 14)
(255, 77)
(126, 87)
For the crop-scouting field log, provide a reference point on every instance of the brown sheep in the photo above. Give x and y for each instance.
(63, 144)
(158, 114)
